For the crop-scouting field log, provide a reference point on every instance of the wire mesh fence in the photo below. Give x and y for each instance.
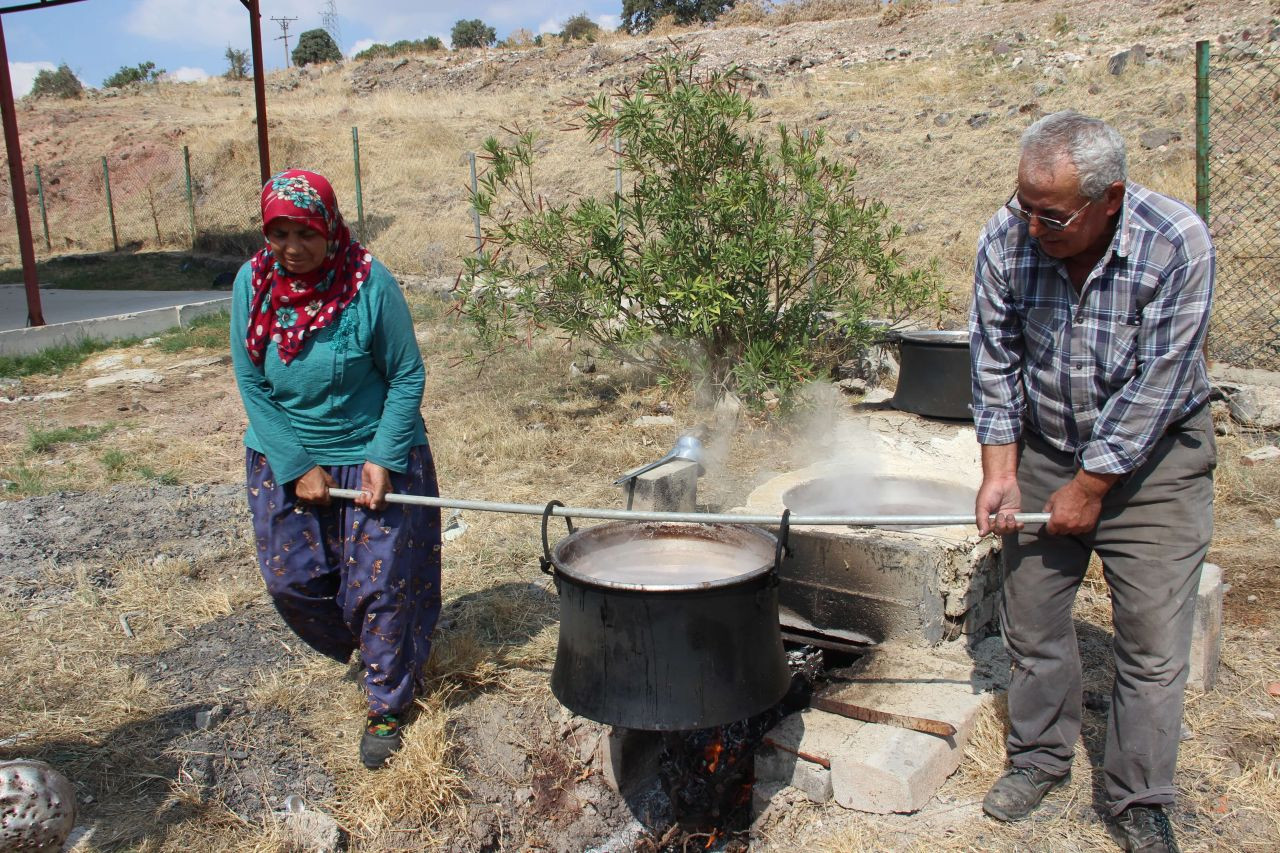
(1239, 154)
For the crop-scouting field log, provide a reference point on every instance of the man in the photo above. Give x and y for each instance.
(1091, 300)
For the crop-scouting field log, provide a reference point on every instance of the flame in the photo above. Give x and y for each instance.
(712, 754)
(715, 836)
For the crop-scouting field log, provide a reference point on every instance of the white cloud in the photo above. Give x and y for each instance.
(215, 24)
(188, 74)
(363, 44)
(23, 75)
(550, 25)
(608, 22)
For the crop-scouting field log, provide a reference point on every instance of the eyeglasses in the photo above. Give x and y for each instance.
(1052, 224)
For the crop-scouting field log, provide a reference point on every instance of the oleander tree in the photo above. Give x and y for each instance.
(740, 257)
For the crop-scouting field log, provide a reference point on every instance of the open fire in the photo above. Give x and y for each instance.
(708, 774)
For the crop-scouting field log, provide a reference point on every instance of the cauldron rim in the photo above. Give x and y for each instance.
(562, 563)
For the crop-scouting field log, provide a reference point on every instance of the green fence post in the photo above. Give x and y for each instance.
(111, 213)
(475, 190)
(355, 147)
(1202, 129)
(191, 196)
(44, 216)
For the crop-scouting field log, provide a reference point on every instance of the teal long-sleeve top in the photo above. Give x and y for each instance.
(353, 395)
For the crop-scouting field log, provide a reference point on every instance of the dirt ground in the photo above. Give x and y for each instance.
(152, 670)
(145, 661)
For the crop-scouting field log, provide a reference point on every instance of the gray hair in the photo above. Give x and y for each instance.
(1092, 146)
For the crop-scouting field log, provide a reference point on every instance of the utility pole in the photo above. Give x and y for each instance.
(329, 20)
(284, 34)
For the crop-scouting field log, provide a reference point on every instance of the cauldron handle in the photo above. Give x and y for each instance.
(784, 548)
(545, 560)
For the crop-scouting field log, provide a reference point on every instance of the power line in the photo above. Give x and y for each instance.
(284, 34)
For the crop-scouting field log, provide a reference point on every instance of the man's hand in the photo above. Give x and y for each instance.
(1075, 507)
(999, 495)
(313, 486)
(375, 483)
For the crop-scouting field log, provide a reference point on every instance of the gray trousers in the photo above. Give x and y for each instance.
(1152, 536)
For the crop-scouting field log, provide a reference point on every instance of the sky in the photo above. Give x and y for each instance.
(189, 38)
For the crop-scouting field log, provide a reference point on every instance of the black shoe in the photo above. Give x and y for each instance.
(1017, 793)
(381, 739)
(1143, 829)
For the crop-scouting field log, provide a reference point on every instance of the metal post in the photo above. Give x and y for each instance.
(475, 190)
(1202, 129)
(355, 147)
(111, 211)
(22, 216)
(191, 196)
(259, 88)
(44, 215)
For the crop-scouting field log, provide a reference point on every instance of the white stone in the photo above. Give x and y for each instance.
(1262, 454)
(1206, 631)
(671, 487)
(37, 806)
(654, 420)
(136, 376)
(812, 733)
(106, 362)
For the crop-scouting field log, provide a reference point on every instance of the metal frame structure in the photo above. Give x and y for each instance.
(13, 145)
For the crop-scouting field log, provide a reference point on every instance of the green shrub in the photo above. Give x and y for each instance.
(143, 72)
(237, 63)
(400, 48)
(61, 83)
(315, 46)
(44, 440)
(753, 262)
(580, 28)
(639, 16)
(473, 33)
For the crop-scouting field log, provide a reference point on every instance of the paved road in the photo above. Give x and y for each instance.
(64, 306)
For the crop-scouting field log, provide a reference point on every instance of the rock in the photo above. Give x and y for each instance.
(978, 120)
(1001, 48)
(1256, 405)
(822, 115)
(106, 362)
(1138, 54)
(1261, 455)
(1042, 89)
(654, 420)
(309, 830)
(853, 386)
(37, 806)
(942, 119)
(206, 720)
(1116, 64)
(1153, 139)
(852, 136)
(142, 376)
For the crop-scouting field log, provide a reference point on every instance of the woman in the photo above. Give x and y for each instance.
(331, 378)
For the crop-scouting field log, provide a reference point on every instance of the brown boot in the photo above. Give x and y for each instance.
(1018, 793)
(1143, 829)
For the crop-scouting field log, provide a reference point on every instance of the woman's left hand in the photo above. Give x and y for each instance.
(375, 483)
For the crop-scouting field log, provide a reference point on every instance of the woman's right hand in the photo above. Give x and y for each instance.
(313, 487)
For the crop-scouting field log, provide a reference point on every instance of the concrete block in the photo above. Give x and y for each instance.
(1206, 632)
(888, 769)
(799, 751)
(672, 487)
(628, 758)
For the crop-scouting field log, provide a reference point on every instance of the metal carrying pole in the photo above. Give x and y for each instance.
(191, 196)
(355, 147)
(44, 215)
(111, 213)
(696, 517)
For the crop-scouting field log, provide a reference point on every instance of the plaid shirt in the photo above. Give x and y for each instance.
(1104, 372)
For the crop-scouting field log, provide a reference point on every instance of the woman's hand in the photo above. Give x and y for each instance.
(375, 483)
(313, 486)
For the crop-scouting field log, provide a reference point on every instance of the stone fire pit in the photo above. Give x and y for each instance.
(919, 586)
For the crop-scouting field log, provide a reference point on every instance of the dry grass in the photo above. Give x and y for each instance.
(517, 429)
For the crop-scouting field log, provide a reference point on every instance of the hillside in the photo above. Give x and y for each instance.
(929, 108)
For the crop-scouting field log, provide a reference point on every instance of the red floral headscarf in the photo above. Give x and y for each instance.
(288, 309)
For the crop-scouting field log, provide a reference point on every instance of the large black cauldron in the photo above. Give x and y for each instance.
(668, 626)
(933, 375)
